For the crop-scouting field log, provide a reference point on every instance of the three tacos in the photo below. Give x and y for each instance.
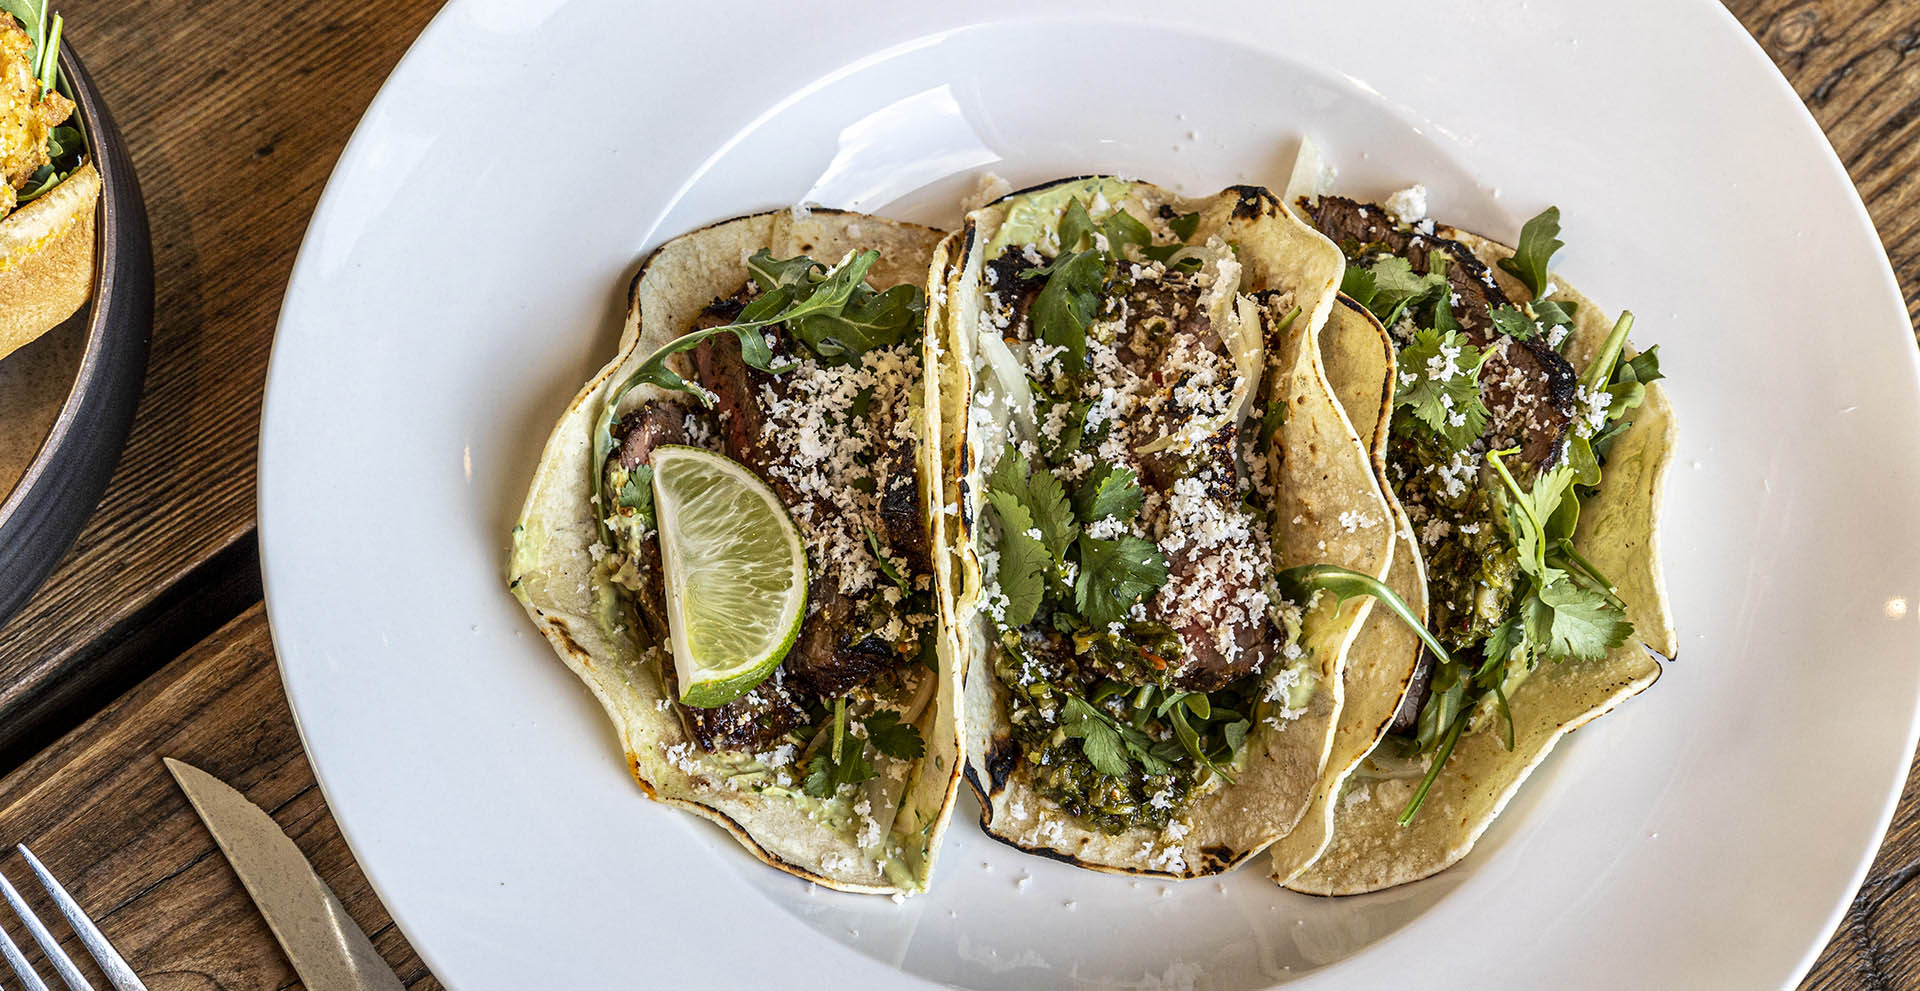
(1146, 485)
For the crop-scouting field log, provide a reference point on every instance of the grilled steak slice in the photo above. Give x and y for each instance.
(754, 720)
(901, 511)
(1172, 321)
(1527, 386)
(637, 434)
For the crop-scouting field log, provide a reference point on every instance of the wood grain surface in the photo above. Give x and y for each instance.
(235, 112)
(102, 813)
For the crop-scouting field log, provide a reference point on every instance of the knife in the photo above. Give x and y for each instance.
(321, 940)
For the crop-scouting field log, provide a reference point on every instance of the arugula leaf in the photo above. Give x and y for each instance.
(1122, 229)
(1583, 624)
(1643, 368)
(1115, 574)
(770, 273)
(1510, 321)
(870, 320)
(894, 738)
(1555, 313)
(1184, 226)
(1108, 490)
(1539, 239)
(1076, 227)
(1299, 583)
(1065, 305)
(1440, 382)
(887, 567)
(1024, 560)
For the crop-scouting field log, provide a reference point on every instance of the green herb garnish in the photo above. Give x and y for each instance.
(1439, 382)
(1539, 239)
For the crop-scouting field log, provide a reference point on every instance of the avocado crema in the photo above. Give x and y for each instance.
(1124, 544)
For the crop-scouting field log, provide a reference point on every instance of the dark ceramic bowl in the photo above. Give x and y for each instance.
(44, 511)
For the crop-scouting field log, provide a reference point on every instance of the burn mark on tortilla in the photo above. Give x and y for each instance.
(1254, 202)
(1217, 858)
(1002, 755)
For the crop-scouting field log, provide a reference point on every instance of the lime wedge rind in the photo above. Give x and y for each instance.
(735, 573)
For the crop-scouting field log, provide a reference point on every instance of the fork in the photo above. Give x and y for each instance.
(116, 970)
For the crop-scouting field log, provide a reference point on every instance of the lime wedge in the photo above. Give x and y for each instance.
(736, 573)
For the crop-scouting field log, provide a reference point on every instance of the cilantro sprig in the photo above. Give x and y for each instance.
(842, 758)
(1043, 541)
(1440, 385)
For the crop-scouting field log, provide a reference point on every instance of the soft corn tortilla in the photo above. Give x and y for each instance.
(553, 571)
(1379, 668)
(1618, 531)
(46, 259)
(1324, 472)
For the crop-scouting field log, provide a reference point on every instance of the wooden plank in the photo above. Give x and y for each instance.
(100, 810)
(1856, 63)
(234, 113)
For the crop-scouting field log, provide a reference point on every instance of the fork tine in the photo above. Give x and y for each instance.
(17, 961)
(48, 945)
(111, 963)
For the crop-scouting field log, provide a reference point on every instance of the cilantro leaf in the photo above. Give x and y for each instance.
(1099, 737)
(637, 494)
(1041, 495)
(1109, 743)
(1396, 288)
(1184, 225)
(1439, 380)
(894, 738)
(1108, 491)
(1065, 305)
(1509, 320)
(1046, 501)
(1584, 625)
(1115, 574)
(1024, 560)
(825, 775)
(1358, 285)
(1539, 239)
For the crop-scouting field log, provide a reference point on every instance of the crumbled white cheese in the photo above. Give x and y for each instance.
(1409, 205)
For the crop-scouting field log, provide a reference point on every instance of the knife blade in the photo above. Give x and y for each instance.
(320, 939)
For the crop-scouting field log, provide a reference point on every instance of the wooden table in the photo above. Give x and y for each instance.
(150, 638)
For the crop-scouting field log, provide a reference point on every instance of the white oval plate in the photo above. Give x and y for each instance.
(465, 273)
